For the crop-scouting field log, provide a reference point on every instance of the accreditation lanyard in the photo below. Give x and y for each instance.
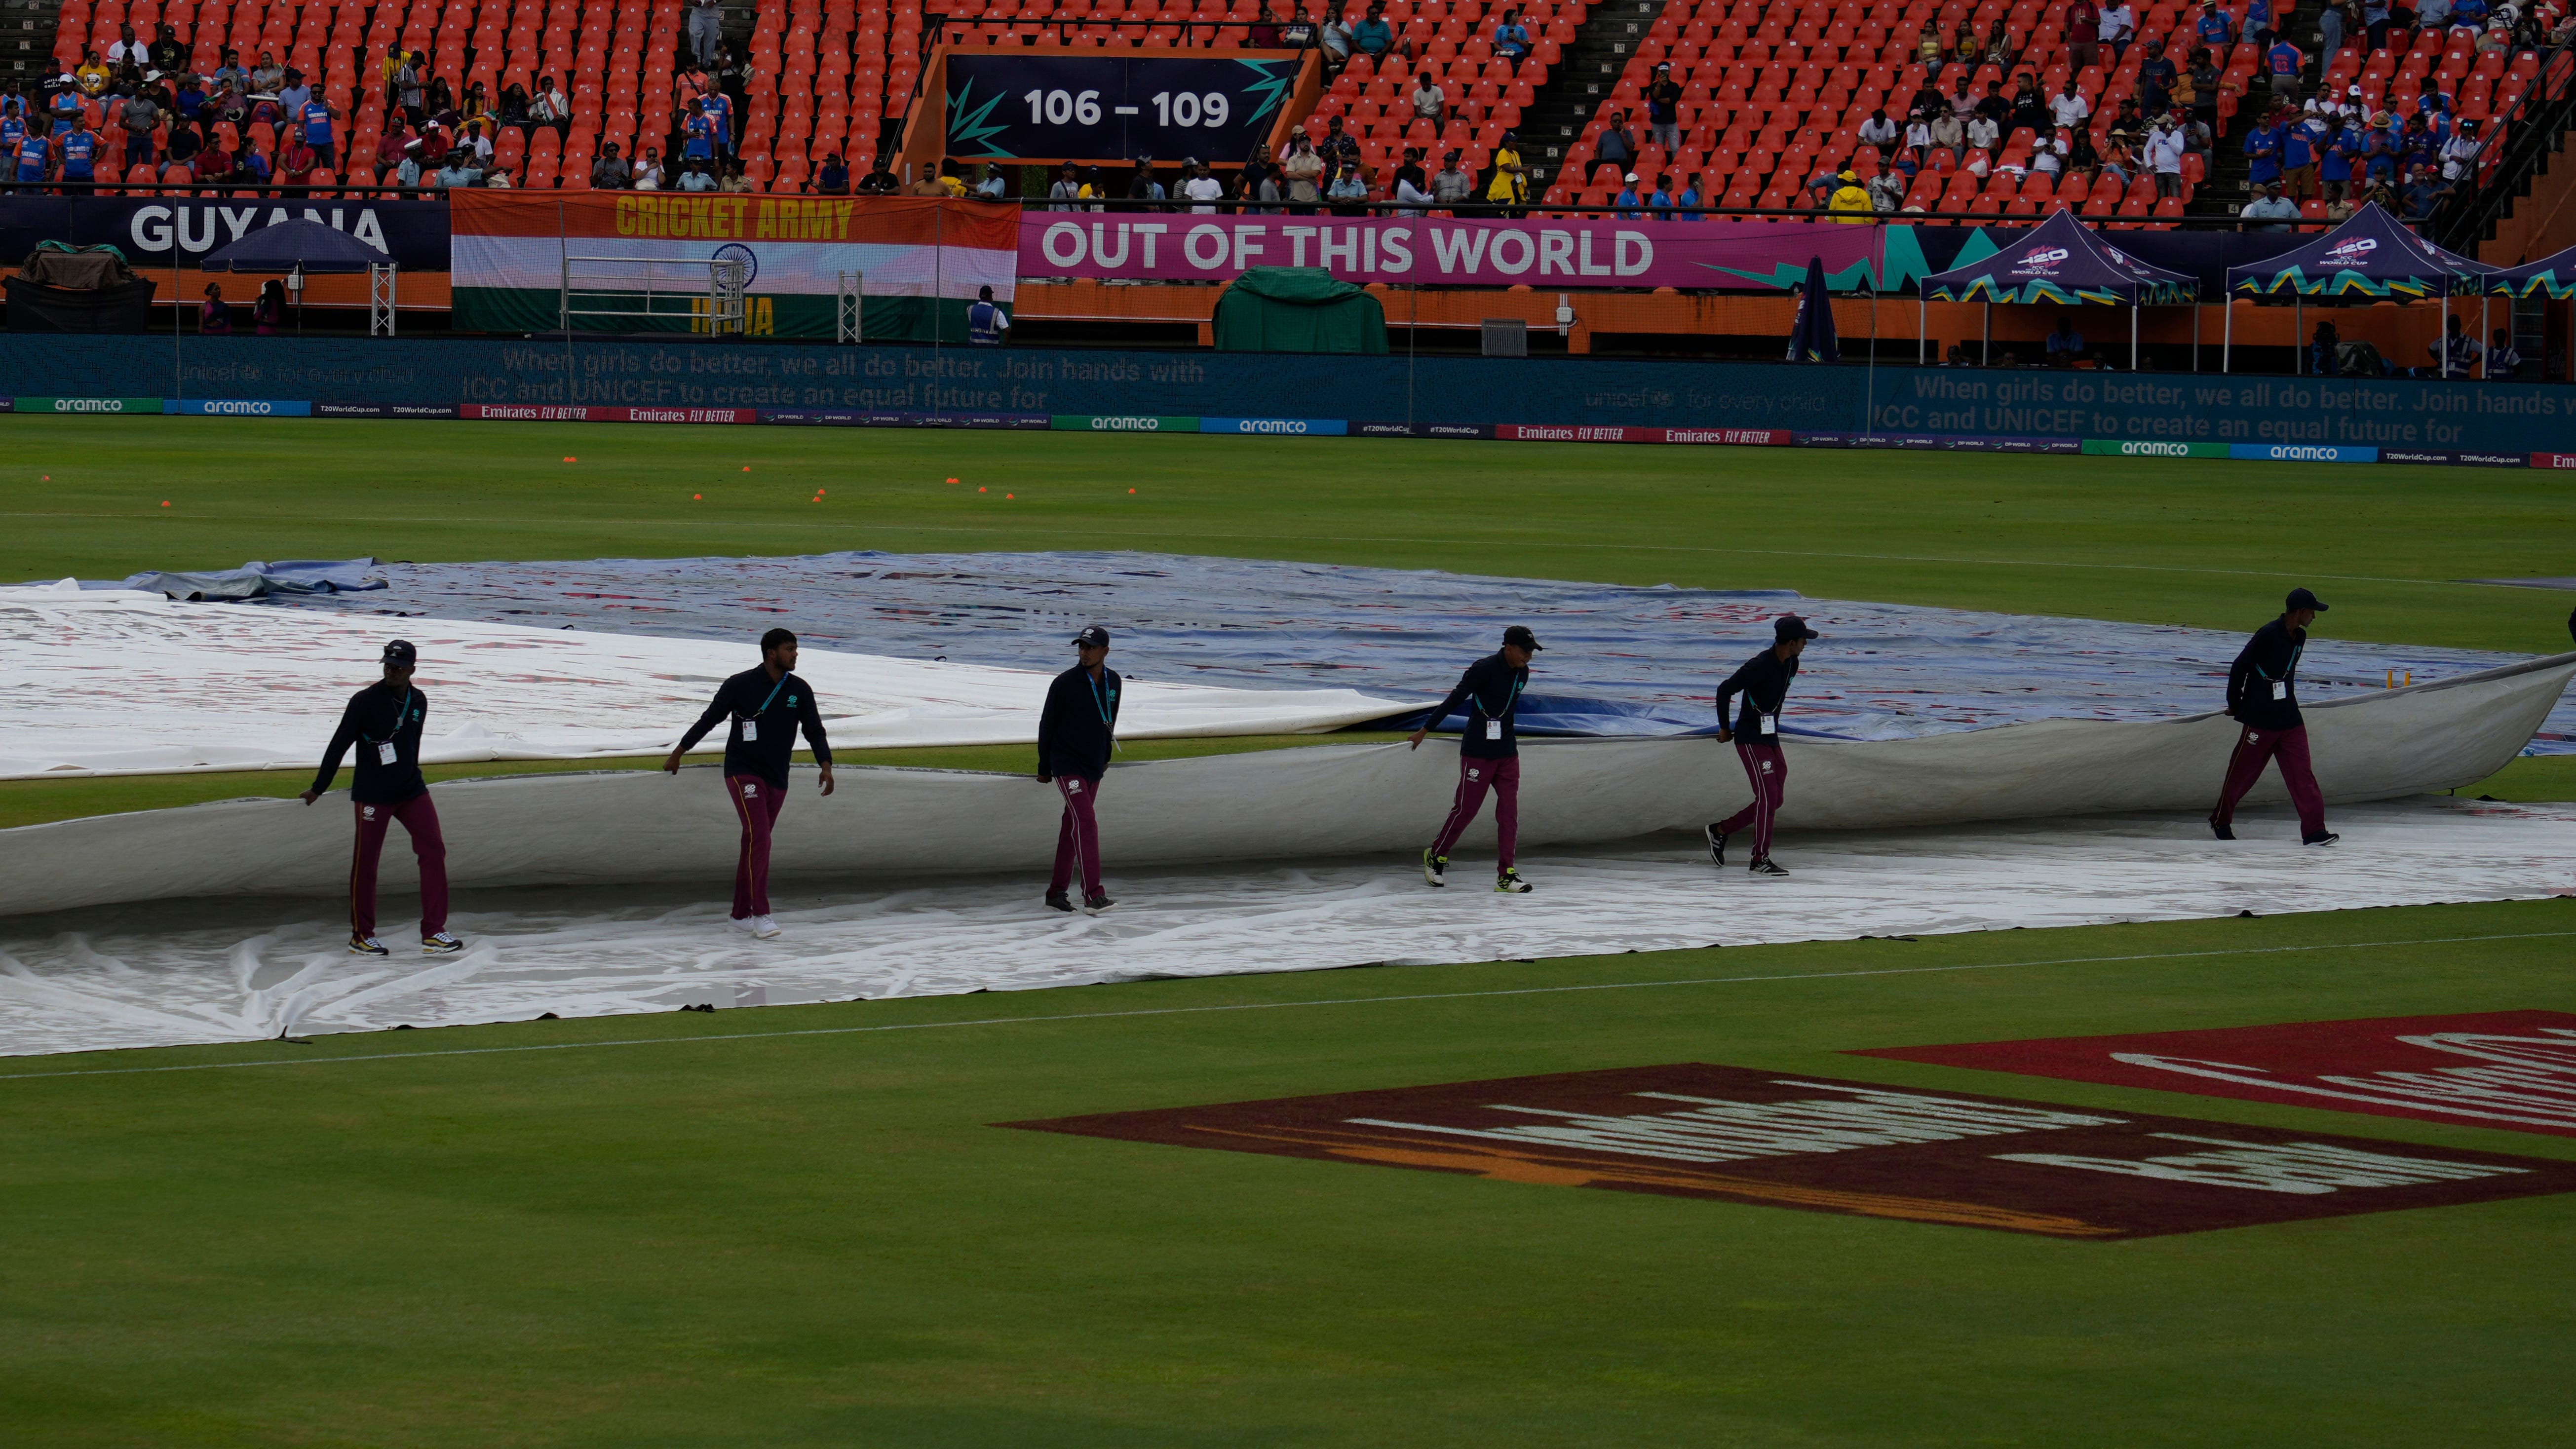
(751, 722)
(386, 753)
(1494, 717)
(2281, 686)
(1100, 702)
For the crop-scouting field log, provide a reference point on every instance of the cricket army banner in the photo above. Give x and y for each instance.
(637, 261)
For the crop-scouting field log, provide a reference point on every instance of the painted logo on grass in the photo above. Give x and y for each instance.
(1789, 1140)
(2509, 1069)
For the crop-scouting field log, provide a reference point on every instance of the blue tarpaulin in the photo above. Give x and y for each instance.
(1619, 659)
(257, 580)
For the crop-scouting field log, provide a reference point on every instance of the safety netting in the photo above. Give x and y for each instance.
(1619, 659)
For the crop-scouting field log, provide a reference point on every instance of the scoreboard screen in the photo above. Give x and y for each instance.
(1054, 106)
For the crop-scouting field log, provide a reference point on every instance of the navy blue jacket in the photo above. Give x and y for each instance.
(1763, 680)
(1490, 692)
(2263, 683)
(778, 708)
(375, 714)
(1079, 725)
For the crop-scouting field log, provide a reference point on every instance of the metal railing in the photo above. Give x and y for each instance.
(2511, 150)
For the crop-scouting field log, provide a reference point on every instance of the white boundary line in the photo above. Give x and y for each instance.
(1279, 1005)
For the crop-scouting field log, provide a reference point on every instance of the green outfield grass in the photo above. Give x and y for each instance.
(822, 1240)
(798, 1226)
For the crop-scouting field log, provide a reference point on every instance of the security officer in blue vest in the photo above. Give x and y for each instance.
(986, 322)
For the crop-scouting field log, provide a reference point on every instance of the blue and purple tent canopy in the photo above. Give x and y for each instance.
(2371, 255)
(2553, 276)
(2062, 261)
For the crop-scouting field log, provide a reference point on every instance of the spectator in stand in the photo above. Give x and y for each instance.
(649, 174)
(2164, 157)
(697, 131)
(2083, 34)
(1918, 138)
(1202, 189)
(1983, 136)
(2068, 110)
(1664, 110)
(2215, 29)
(2119, 26)
(1616, 147)
(2049, 159)
(610, 172)
(1263, 32)
(290, 100)
(731, 178)
(550, 106)
(1304, 173)
(2381, 145)
(694, 177)
(2299, 142)
(1412, 195)
(1693, 196)
(1948, 135)
(1335, 38)
(128, 56)
(2460, 153)
(214, 319)
(1066, 193)
(1880, 132)
(2156, 77)
(706, 29)
(720, 118)
(2029, 109)
(408, 87)
(1299, 32)
(1338, 147)
(1259, 179)
(1143, 186)
(2284, 62)
(1373, 37)
(2271, 211)
(268, 310)
(2422, 197)
(251, 168)
(881, 180)
(167, 53)
(513, 109)
(2332, 23)
(989, 185)
(2374, 20)
(1850, 202)
(296, 161)
(457, 173)
(2119, 163)
(1349, 192)
(2263, 153)
(2335, 161)
(141, 119)
(77, 153)
(267, 76)
(1510, 184)
(2457, 354)
(2503, 361)
(92, 74)
(1628, 200)
(1512, 40)
(1659, 205)
(214, 165)
(1429, 101)
(1995, 107)
(1887, 191)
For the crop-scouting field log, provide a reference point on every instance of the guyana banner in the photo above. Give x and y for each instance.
(637, 261)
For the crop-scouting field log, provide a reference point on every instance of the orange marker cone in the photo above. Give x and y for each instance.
(165, 502)
(570, 459)
(699, 496)
(1010, 495)
(980, 490)
(746, 467)
(952, 480)
(1131, 490)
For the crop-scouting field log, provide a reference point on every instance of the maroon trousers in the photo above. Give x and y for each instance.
(1077, 839)
(2257, 748)
(1475, 776)
(756, 802)
(420, 819)
(1768, 771)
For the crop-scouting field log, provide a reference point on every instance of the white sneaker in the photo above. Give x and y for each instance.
(742, 923)
(763, 928)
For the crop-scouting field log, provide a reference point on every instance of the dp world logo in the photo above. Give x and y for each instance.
(2351, 253)
(737, 252)
(2041, 263)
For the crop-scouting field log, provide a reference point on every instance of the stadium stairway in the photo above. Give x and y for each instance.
(27, 39)
(1566, 105)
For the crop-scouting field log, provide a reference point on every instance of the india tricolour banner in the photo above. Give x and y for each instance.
(637, 261)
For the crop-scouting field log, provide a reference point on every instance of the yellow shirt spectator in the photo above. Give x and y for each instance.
(1850, 202)
(1509, 186)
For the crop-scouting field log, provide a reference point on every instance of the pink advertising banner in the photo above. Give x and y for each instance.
(1711, 254)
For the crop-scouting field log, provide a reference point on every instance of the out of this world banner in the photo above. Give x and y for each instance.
(1186, 246)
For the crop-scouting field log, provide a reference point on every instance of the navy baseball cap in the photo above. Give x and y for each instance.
(1790, 626)
(400, 652)
(1520, 635)
(1092, 637)
(2302, 599)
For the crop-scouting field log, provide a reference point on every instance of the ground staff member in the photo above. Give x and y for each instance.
(1077, 731)
(986, 322)
(1763, 680)
(767, 706)
(2263, 696)
(1489, 755)
(383, 720)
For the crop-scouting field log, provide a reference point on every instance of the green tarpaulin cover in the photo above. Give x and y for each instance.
(1298, 309)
